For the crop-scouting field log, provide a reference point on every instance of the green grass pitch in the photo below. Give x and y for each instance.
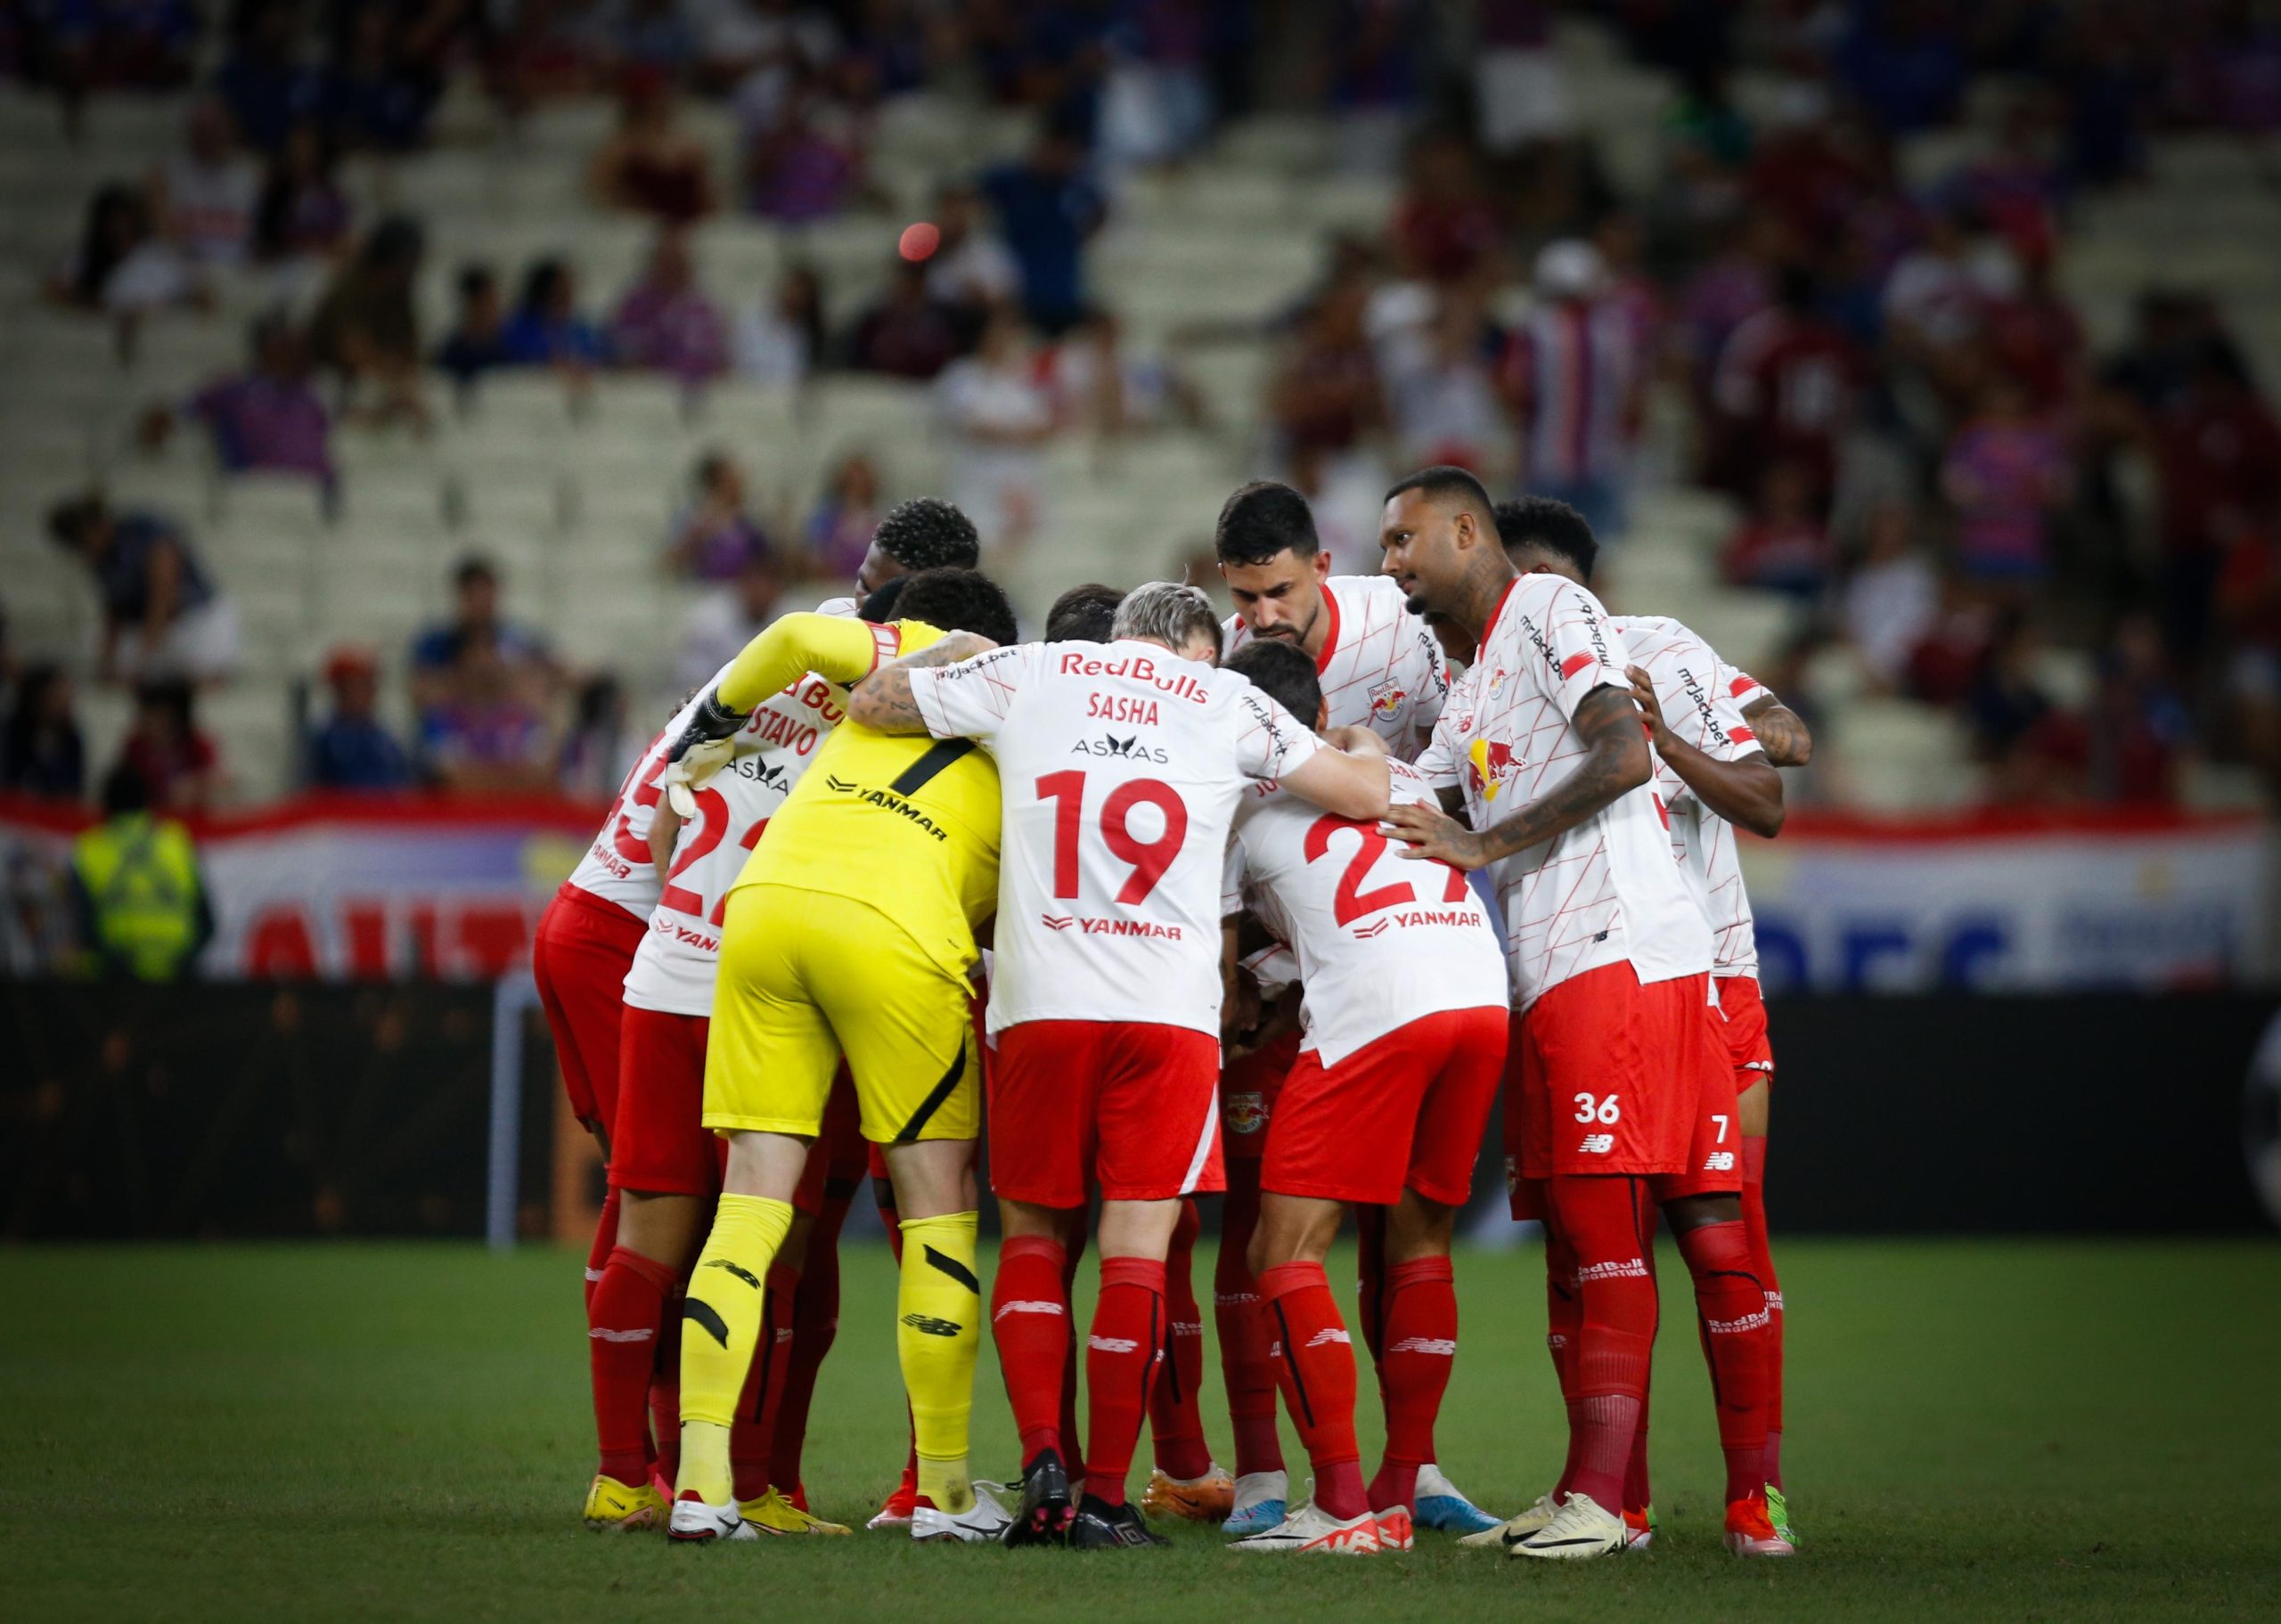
(1989, 1430)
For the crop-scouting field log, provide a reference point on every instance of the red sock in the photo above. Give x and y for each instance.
(1637, 1493)
(1121, 1355)
(752, 1435)
(1731, 1307)
(1175, 1415)
(665, 1388)
(1316, 1368)
(1029, 1322)
(1615, 1329)
(1370, 1289)
(605, 1242)
(1421, 1344)
(1073, 1432)
(627, 1307)
(815, 1326)
(1562, 1312)
(1762, 1257)
(1247, 1334)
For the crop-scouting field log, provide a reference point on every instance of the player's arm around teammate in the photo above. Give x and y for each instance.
(1747, 792)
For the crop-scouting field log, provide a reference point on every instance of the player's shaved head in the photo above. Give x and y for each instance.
(1451, 488)
(1544, 536)
(1166, 612)
(1284, 674)
(924, 533)
(1083, 614)
(958, 600)
(1441, 545)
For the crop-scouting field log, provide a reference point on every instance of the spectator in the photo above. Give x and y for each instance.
(1106, 390)
(266, 418)
(437, 652)
(999, 415)
(972, 271)
(2036, 752)
(805, 160)
(351, 750)
(753, 48)
(2141, 725)
(720, 624)
(840, 529)
(304, 215)
(1891, 601)
(1442, 388)
(264, 82)
(141, 900)
(2004, 473)
(162, 618)
(476, 343)
(665, 324)
(2218, 449)
(121, 266)
(1324, 394)
(654, 36)
(593, 760)
(485, 736)
(714, 537)
(205, 196)
(1783, 392)
(366, 328)
(2248, 602)
(42, 753)
(1520, 92)
(147, 44)
(1046, 207)
(166, 749)
(546, 329)
(907, 333)
(650, 166)
(1784, 546)
(780, 341)
(1375, 74)
(1157, 104)
(1939, 295)
(1575, 382)
(374, 99)
(1445, 230)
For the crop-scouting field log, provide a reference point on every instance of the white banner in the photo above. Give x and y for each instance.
(2113, 900)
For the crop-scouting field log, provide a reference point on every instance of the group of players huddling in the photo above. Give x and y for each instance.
(1222, 875)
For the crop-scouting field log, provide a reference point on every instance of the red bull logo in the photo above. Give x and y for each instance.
(1386, 701)
(1491, 763)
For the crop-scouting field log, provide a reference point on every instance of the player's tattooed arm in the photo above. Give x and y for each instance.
(1788, 742)
(884, 702)
(1616, 762)
(1747, 792)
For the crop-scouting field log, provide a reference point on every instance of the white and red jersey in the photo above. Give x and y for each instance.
(1120, 765)
(1382, 940)
(617, 868)
(1577, 365)
(1697, 693)
(1609, 888)
(1381, 667)
(675, 967)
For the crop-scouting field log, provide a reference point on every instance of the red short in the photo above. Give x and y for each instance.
(1744, 1029)
(659, 1143)
(1133, 1104)
(579, 956)
(1248, 1090)
(1404, 1111)
(1602, 1077)
(1714, 1162)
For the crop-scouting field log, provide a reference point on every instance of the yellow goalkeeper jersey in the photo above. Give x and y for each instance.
(903, 823)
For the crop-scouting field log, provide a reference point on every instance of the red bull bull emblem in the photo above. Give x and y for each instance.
(1491, 763)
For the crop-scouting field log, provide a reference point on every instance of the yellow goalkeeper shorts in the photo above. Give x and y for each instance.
(807, 977)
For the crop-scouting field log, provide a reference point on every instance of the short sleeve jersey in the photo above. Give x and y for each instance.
(1382, 940)
(1121, 764)
(1697, 694)
(1381, 667)
(675, 966)
(1608, 889)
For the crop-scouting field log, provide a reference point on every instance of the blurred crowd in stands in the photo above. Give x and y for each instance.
(1932, 463)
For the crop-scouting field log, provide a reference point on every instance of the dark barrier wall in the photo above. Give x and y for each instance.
(321, 1109)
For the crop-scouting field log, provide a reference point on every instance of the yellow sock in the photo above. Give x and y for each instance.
(720, 1327)
(938, 1332)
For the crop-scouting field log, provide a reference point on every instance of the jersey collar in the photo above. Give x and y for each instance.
(1330, 637)
(1498, 613)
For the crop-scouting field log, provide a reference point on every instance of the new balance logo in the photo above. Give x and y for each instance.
(1441, 1347)
(1597, 1145)
(1112, 1345)
(1328, 1334)
(599, 1335)
(1719, 1161)
(927, 1325)
(1027, 1305)
(1628, 1269)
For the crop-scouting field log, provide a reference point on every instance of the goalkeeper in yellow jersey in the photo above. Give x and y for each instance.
(849, 932)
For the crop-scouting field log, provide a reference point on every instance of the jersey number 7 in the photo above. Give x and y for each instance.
(1150, 859)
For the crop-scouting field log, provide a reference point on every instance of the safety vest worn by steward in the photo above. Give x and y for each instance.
(141, 877)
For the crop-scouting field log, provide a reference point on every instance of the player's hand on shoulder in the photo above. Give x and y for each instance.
(1643, 694)
(1354, 740)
